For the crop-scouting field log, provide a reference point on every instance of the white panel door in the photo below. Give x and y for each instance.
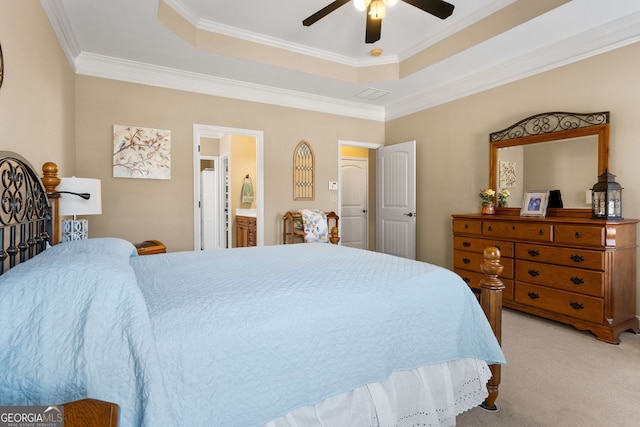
(396, 200)
(209, 209)
(353, 201)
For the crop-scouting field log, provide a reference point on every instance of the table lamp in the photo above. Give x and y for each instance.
(78, 196)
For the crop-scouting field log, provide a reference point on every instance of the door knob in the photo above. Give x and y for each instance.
(410, 214)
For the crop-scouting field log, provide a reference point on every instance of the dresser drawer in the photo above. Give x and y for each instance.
(473, 260)
(473, 278)
(587, 282)
(474, 244)
(473, 226)
(581, 258)
(580, 235)
(537, 232)
(574, 305)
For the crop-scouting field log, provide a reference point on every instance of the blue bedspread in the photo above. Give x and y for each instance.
(224, 338)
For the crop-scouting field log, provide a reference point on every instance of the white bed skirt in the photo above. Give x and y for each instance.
(432, 395)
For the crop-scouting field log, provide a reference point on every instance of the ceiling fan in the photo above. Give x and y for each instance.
(376, 10)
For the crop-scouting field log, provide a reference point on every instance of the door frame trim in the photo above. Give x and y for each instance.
(209, 131)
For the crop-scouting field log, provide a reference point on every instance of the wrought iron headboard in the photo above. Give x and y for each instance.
(24, 211)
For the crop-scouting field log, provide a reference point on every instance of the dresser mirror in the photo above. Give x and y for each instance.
(550, 151)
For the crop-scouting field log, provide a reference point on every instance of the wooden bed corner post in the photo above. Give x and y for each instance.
(491, 301)
(90, 413)
(334, 235)
(50, 181)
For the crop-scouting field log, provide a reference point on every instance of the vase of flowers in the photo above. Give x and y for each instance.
(503, 195)
(486, 196)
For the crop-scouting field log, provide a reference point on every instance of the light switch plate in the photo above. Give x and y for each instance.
(333, 185)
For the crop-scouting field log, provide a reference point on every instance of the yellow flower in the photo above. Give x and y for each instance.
(487, 196)
(502, 197)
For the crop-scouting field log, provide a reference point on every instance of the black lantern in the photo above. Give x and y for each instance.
(606, 197)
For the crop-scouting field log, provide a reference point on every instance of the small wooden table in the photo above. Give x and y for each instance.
(151, 247)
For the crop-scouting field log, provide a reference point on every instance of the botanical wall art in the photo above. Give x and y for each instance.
(141, 152)
(507, 174)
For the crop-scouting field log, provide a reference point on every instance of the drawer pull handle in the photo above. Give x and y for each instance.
(533, 252)
(466, 226)
(577, 280)
(578, 235)
(541, 232)
(513, 227)
(466, 280)
(533, 273)
(577, 258)
(576, 305)
(466, 244)
(490, 228)
(466, 260)
(533, 295)
(498, 246)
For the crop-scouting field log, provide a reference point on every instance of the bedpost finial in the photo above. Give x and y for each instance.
(50, 177)
(334, 235)
(491, 253)
(491, 266)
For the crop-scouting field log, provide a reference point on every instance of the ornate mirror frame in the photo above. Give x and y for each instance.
(547, 127)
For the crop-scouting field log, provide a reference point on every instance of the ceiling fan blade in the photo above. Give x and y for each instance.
(324, 12)
(374, 28)
(439, 8)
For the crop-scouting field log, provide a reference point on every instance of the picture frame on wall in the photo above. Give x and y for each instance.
(140, 152)
(535, 203)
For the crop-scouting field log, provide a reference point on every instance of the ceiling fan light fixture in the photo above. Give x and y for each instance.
(377, 9)
(362, 5)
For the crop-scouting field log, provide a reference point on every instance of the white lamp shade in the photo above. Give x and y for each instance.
(70, 204)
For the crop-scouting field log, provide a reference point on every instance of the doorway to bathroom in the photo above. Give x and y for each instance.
(224, 160)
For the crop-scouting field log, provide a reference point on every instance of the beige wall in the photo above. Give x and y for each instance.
(243, 163)
(348, 151)
(37, 111)
(453, 147)
(139, 209)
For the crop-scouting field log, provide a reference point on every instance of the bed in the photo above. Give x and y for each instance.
(286, 335)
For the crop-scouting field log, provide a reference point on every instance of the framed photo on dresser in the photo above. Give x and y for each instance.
(535, 203)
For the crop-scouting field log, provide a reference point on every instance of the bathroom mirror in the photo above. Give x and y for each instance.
(551, 151)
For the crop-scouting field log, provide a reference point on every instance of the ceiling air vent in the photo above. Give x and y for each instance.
(372, 93)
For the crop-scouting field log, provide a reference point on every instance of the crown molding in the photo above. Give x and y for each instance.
(589, 43)
(182, 9)
(141, 73)
(60, 23)
(480, 14)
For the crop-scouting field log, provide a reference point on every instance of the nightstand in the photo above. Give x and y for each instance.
(151, 247)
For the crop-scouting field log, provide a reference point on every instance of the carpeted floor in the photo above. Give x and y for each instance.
(558, 376)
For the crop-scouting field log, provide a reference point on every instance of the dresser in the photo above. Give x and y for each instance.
(574, 270)
(245, 231)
